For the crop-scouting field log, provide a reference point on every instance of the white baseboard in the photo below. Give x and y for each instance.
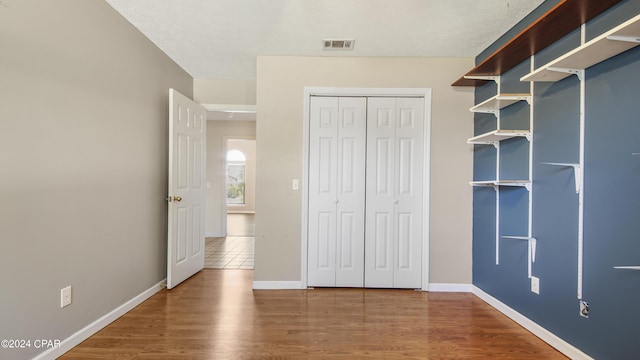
(443, 287)
(277, 285)
(282, 285)
(545, 335)
(83, 334)
(214, 235)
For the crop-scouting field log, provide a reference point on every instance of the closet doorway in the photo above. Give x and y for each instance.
(365, 216)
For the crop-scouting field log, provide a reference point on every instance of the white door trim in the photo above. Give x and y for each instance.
(370, 92)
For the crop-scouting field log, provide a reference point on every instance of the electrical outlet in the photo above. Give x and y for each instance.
(535, 285)
(65, 297)
(584, 309)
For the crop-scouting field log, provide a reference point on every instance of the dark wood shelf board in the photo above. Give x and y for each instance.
(560, 20)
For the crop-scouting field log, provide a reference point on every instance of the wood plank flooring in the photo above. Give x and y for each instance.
(216, 315)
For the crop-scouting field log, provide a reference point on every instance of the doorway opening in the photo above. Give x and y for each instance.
(235, 250)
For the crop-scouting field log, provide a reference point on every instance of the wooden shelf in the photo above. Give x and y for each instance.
(560, 20)
(500, 101)
(495, 136)
(613, 42)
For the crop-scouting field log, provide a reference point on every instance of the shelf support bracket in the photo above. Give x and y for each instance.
(494, 78)
(627, 267)
(631, 39)
(579, 73)
(532, 246)
(485, 184)
(577, 172)
(494, 112)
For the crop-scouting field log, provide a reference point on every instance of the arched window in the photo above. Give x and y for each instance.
(235, 156)
(235, 177)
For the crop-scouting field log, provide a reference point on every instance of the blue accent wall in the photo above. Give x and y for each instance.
(611, 196)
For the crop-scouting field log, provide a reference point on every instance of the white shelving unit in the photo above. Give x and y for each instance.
(500, 101)
(627, 267)
(495, 136)
(611, 43)
(493, 105)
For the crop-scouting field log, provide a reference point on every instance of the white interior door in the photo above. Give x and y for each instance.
(395, 146)
(336, 197)
(187, 140)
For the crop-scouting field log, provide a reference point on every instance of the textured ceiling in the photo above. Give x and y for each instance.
(221, 38)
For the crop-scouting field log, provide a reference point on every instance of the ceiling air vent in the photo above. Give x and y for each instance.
(338, 44)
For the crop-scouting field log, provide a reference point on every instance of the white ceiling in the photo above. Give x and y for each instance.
(220, 39)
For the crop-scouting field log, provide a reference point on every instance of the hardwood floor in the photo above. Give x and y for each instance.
(216, 315)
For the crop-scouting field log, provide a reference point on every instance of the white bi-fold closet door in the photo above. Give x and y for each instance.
(365, 192)
(337, 146)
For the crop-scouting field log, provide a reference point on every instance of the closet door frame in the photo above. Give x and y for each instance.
(367, 92)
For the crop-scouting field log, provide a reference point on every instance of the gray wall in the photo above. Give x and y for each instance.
(83, 148)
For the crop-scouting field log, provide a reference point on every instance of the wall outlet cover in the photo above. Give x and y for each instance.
(584, 309)
(535, 285)
(65, 297)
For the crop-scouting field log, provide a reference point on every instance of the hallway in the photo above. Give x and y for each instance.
(236, 251)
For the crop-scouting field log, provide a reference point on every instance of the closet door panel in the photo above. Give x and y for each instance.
(323, 161)
(405, 244)
(380, 228)
(350, 187)
(409, 193)
(324, 245)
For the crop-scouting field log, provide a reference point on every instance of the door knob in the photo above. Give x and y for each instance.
(177, 198)
(395, 201)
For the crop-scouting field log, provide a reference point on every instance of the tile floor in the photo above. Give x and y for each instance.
(232, 252)
(236, 250)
